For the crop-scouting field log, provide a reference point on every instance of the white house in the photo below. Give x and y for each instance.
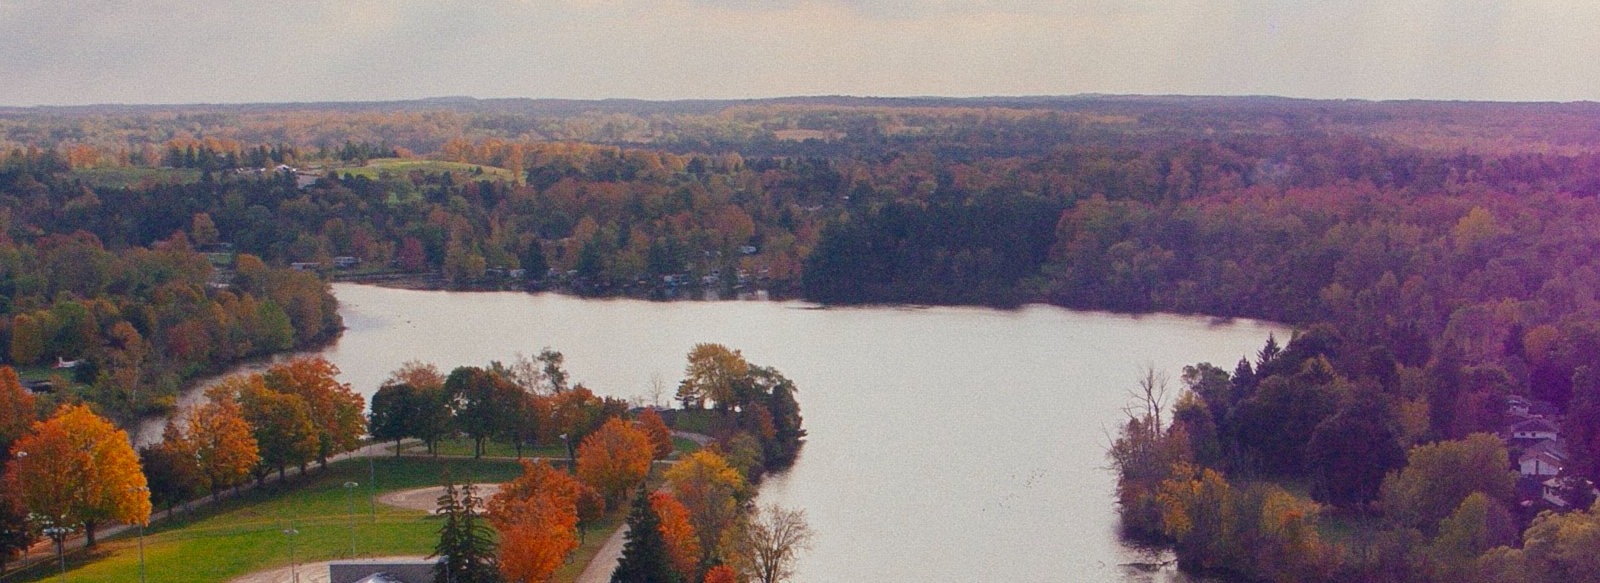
(1535, 430)
(1545, 459)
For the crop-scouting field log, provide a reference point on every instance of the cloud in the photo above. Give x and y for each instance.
(84, 51)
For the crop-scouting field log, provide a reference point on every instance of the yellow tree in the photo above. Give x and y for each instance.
(713, 373)
(79, 471)
(223, 443)
(711, 490)
(17, 412)
(615, 459)
(682, 545)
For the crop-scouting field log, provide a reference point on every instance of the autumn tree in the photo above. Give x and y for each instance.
(713, 373)
(80, 471)
(682, 544)
(16, 534)
(537, 534)
(645, 557)
(171, 468)
(721, 574)
(660, 436)
(222, 443)
(17, 412)
(614, 459)
(335, 408)
(766, 543)
(281, 424)
(712, 491)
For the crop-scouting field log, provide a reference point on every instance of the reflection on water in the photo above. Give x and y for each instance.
(946, 444)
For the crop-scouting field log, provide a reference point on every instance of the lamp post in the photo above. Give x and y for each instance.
(59, 535)
(372, 487)
(294, 568)
(350, 501)
(142, 523)
(571, 463)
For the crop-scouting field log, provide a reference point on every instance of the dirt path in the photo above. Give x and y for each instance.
(306, 573)
(427, 499)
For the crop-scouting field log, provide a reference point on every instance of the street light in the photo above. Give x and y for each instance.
(571, 463)
(59, 534)
(142, 523)
(350, 502)
(294, 568)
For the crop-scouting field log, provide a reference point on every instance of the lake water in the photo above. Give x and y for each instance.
(946, 444)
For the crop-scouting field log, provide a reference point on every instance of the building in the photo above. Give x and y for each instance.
(1544, 460)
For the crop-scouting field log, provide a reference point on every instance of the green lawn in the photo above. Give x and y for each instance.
(132, 176)
(400, 166)
(245, 535)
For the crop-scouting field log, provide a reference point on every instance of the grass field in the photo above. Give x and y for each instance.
(128, 177)
(400, 166)
(245, 535)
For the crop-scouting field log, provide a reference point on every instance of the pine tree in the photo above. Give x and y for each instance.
(644, 557)
(464, 541)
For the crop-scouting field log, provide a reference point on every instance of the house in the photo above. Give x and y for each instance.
(1518, 405)
(382, 571)
(64, 363)
(305, 266)
(1544, 460)
(345, 262)
(1536, 429)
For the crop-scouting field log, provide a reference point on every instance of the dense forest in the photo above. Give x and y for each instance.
(1437, 258)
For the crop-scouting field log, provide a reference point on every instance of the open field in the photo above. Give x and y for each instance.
(245, 534)
(401, 166)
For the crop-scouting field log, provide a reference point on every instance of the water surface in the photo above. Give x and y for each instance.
(946, 444)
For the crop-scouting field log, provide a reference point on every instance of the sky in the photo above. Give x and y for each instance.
(70, 52)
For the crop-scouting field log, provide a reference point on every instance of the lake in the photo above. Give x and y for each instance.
(946, 444)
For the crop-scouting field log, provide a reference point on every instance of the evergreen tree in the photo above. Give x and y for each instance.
(464, 541)
(644, 557)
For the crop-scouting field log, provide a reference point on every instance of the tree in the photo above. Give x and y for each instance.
(171, 469)
(17, 412)
(285, 434)
(537, 515)
(660, 436)
(682, 544)
(80, 470)
(767, 543)
(465, 543)
(1350, 453)
(1477, 525)
(484, 403)
(645, 558)
(614, 459)
(721, 574)
(222, 443)
(1438, 476)
(712, 373)
(394, 411)
(712, 491)
(335, 408)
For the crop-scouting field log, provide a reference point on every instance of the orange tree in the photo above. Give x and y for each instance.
(335, 408)
(682, 546)
(614, 459)
(222, 443)
(17, 412)
(660, 436)
(537, 518)
(78, 472)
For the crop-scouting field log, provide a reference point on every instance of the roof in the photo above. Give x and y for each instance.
(379, 578)
(1535, 424)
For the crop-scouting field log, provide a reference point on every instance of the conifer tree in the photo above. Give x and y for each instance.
(644, 556)
(464, 541)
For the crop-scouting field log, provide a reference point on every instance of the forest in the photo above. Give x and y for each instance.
(1437, 258)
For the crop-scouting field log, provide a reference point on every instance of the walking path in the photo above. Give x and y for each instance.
(306, 573)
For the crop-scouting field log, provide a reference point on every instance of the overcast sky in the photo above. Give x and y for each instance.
(62, 52)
